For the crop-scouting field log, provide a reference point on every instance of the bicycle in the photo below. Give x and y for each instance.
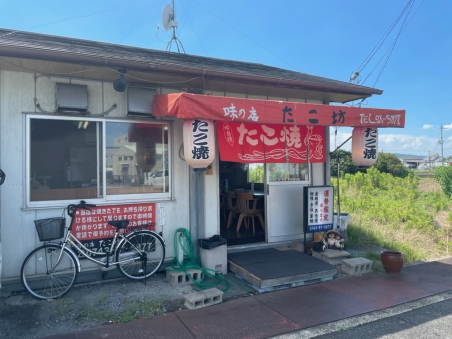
(50, 270)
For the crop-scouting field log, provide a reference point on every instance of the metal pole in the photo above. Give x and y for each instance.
(338, 177)
(442, 154)
(338, 192)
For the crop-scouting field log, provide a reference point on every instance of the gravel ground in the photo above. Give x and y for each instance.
(95, 304)
(102, 303)
(87, 306)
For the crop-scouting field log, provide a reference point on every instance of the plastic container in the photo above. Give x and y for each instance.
(342, 226)
(213, 253)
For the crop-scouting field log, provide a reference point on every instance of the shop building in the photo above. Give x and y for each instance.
(105, 123)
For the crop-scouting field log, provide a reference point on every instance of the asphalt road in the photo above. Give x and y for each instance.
(424, 319)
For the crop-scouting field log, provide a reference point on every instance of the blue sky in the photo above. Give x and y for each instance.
(329, 38)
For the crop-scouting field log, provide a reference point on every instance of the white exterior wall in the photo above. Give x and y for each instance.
(18, 234)
(17, 231)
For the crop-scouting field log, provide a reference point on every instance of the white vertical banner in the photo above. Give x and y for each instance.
(318, 208)
(160, 217)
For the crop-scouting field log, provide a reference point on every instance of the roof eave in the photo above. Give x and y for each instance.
(48, 55)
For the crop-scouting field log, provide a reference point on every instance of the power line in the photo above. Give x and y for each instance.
(263, 47)
(138, 22)
(405, 13)
(394, 44)
(189, 21)
(382, 40)
(72, 18)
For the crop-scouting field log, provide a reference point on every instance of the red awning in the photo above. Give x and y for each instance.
(195, 106)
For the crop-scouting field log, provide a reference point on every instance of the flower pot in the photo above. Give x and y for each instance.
(392, 261)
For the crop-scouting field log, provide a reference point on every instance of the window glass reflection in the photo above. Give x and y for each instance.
(137, 158)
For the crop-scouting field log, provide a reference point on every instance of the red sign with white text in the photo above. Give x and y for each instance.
(90, 225)
(259, 143)
(195, 106)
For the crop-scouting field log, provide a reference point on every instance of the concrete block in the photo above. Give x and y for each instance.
(334, 257)
(183, 277)
(216, 259)
(356, 266)
(204, 298)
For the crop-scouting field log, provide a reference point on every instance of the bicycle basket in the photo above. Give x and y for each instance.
(50, 229)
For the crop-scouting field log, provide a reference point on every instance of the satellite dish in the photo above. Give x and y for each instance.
(168, 18)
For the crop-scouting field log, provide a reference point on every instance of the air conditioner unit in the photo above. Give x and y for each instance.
(70, 97)
(139, 100)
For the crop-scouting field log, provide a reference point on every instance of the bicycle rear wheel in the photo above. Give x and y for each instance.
(140, 255)
(44, 277)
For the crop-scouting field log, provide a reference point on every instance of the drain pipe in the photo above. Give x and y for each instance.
(196, 208)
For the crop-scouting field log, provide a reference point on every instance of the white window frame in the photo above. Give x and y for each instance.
(105, 199)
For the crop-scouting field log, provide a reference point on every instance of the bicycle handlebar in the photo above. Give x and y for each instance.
(72, 208)
(2, 177)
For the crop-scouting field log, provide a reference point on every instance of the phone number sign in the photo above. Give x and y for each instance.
(318, 208)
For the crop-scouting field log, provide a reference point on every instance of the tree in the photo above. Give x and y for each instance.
(256, 173)
(346, 164)
(389, 163)
(443, 176)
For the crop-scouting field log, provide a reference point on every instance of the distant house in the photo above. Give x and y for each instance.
(411, 161)
(432, 161)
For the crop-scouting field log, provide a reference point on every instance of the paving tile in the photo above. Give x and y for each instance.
(166, 326)
(240, 318)
(377, 290)
(433, 277)
(313, 305)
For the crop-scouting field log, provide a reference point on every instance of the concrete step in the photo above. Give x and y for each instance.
(333, 257)
(204, 298)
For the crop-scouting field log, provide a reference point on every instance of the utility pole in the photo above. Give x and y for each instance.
(441, 142)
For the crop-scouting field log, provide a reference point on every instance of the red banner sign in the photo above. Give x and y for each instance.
(257, 143)
(193, 106)
(90, 225)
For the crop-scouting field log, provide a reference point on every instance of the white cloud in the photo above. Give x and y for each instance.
(427, 126)
(396, 143)
(337, 139)
(447, 126)
(411, 144)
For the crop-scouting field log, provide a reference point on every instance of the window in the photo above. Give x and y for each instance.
(66, 159)
(256, 173)
(288, 172)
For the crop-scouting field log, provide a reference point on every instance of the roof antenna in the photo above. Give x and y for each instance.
(169, 22)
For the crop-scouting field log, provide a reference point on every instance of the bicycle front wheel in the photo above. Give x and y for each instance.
(140, 255)
(44, 276)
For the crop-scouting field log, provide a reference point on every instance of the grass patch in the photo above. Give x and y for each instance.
(104, 310)
(139, 309)
(344, 329)
(407, 215)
